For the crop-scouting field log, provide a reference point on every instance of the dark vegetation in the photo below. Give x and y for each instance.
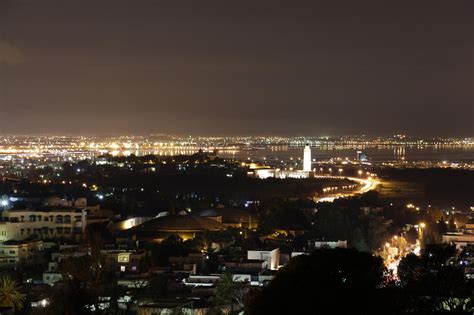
(442, 187)
(349, 282)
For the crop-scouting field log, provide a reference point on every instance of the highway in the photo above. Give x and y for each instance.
(368, 184)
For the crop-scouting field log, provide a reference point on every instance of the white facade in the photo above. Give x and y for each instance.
(21, 224)
(15, 252)
(307, 159)
(271, 257)
(461, 240)
(264, 173)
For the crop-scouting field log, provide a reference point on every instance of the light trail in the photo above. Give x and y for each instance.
(368, 185)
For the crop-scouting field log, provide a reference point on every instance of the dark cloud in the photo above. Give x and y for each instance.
(244, 67)
(10, 54)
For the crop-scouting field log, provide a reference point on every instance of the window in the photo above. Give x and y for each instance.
(59, 219)
(12, 252)
(67, 219)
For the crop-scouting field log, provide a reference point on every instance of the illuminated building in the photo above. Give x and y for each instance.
(307, 159)
(264, 173)
(184, 226)
(13, 252)
(55, 223)
(271, 257)
(231, 217)
(361, 156)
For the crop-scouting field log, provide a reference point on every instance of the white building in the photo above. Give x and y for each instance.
(58, 223)
(270, 257)
(14, 252)
(307, 159)
(459, 239)
(264, 173)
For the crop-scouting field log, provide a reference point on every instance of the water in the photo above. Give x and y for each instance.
(451, 153)
(384, 153)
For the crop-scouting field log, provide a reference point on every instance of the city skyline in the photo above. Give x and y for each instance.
(236, 69)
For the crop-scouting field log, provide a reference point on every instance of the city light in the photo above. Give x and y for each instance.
(229, 158)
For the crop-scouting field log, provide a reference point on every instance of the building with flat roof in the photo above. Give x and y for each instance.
(45, 223)
(14, 252)
(185, 226)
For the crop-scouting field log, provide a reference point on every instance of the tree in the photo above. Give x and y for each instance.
(433, 285)
(227, 295)
(341, 280)
(411, 270)
(9, 293)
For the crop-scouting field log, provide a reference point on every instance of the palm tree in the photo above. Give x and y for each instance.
(9, 294)
(228, 294)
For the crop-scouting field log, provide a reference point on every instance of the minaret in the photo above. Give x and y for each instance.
(307, 159)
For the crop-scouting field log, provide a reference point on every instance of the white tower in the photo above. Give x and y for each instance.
(307, 159)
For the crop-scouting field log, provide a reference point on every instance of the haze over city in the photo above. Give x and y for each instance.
(236, 157)
(241, 68)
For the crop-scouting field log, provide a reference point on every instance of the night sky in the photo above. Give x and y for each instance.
(237, 67)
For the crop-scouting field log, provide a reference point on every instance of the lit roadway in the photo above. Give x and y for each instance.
(367, 185)
(392, 264)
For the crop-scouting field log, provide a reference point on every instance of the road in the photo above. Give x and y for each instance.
(368, 184)
(392, 264)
